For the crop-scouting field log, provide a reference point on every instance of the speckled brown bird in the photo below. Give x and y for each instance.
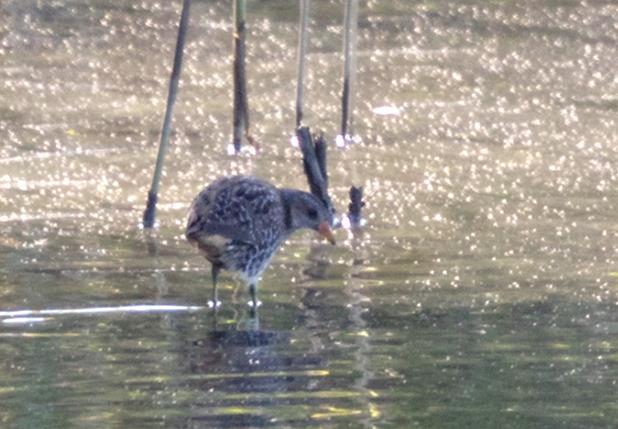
(239, 222)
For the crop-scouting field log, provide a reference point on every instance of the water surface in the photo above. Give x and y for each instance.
(482, 292)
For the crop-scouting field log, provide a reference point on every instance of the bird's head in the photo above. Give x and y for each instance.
(303, 210)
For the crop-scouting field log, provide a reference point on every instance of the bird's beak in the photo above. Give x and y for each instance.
(326, 232)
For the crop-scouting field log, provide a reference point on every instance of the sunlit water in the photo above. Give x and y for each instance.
(482, 292)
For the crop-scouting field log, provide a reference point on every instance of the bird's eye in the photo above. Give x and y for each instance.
(312, 213)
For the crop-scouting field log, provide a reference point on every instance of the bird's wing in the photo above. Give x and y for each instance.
(214, 238)
(237, 211)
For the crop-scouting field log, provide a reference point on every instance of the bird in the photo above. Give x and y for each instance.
(239, 222)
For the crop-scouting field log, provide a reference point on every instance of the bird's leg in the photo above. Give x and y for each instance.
(214, 303)
(254, 302)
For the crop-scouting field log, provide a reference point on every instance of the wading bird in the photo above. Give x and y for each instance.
(239, 222)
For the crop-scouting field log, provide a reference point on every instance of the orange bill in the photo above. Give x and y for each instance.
(326, 232)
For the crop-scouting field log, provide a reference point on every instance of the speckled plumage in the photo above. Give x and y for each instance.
(239, 222)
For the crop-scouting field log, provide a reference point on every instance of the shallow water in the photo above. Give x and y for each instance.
(482, 292)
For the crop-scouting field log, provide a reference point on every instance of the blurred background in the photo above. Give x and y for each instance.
(482, 291)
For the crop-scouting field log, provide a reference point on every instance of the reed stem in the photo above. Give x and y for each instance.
(150, 212)
(303, 39)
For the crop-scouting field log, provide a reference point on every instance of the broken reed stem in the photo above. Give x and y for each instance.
(314, 164)
(355, 206)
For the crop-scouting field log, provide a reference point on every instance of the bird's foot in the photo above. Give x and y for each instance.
(255, 304)
(214, 304)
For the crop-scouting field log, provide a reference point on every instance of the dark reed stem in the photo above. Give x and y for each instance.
(149, 213)
(241, 104)
(350, 24)
(303, 39)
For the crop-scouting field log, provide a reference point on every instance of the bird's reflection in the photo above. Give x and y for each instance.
(242, 359)
(247, 333)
